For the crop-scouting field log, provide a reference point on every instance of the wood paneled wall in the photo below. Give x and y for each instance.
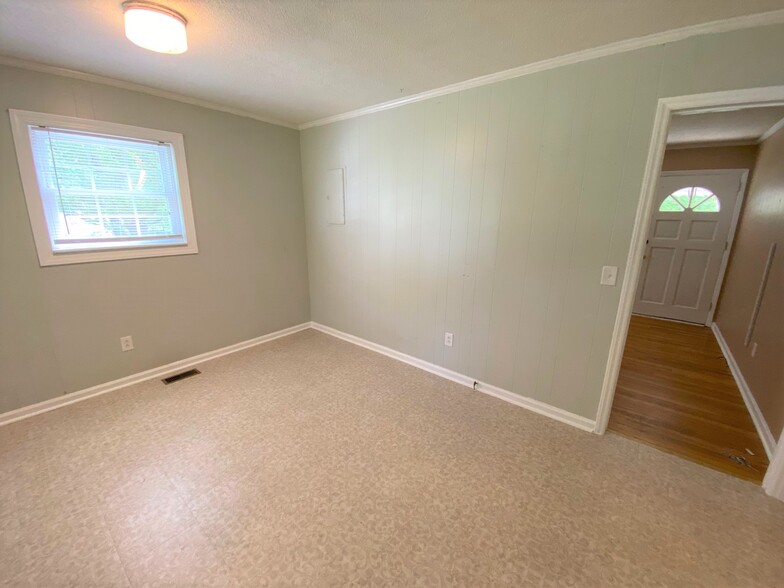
(489, 213)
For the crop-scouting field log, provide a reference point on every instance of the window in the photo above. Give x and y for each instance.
(692, 198)
(99, 191)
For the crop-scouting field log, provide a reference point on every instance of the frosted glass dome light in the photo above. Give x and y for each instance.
(155, 27)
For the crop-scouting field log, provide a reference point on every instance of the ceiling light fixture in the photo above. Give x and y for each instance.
(155, 27)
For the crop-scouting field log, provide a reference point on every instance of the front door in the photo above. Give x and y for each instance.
(689, 235)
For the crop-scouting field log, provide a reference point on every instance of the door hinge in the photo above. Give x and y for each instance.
(711, 306)
(726, 245)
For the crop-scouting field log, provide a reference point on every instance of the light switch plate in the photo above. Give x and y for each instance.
(609, 275)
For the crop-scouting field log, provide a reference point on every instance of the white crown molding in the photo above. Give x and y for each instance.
(765, 435)
(712, 144)
(133, 87)
(159, 372)
(717, 26)
(771, 131)
(776, 127)
(529, 403)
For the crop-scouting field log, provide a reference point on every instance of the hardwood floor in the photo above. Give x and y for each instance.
(676, 392)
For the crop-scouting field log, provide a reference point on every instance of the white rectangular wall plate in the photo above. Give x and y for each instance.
(609, 275)
(336, 197)
(448, 339)
(126, 343)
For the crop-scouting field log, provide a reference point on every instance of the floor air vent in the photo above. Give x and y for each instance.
(180, 376)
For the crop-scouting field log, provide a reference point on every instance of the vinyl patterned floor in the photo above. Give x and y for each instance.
(676, 392)
(311, 462)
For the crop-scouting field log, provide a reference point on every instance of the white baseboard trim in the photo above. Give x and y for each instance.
(158, 372)
(533, 405)
(768, 442)
(773, 483)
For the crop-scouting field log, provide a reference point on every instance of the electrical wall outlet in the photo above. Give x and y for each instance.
(609, 275)
(126, 343)
(448, 339)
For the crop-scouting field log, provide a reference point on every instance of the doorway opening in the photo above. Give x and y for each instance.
(692, 228)
(673, 379)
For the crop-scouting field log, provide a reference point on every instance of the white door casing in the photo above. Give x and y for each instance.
(691, 229)
(712, 101)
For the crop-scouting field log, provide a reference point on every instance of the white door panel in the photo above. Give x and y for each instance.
(654, 284)
(689, 286)
(666, 229)
(703, 230)
(692, 218)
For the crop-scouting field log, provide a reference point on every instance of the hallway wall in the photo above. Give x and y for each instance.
(761, 225)
(735, 157)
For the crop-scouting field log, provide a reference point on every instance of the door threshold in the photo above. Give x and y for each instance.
(670, 320)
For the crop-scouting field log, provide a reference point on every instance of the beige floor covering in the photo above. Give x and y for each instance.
(309, 461)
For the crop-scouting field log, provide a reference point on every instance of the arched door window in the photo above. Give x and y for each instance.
(692, 198)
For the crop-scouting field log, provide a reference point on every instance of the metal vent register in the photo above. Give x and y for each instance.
(180, 376)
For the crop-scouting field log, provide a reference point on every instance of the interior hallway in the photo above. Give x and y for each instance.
(676, 392)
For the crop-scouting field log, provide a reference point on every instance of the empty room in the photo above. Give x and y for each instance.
(392, 293)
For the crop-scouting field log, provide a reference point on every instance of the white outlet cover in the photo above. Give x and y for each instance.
(126, 343)
(448, 339)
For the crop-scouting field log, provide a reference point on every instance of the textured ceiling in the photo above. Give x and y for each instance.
(300, 60)
(748, 124)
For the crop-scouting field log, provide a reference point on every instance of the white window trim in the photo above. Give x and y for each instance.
(21, 119)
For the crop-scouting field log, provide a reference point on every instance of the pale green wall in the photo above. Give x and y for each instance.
(489, 212)
(60, 326)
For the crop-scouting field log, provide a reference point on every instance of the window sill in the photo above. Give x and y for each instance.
(66, 258)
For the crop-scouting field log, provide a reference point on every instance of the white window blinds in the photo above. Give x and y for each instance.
(106, 192)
